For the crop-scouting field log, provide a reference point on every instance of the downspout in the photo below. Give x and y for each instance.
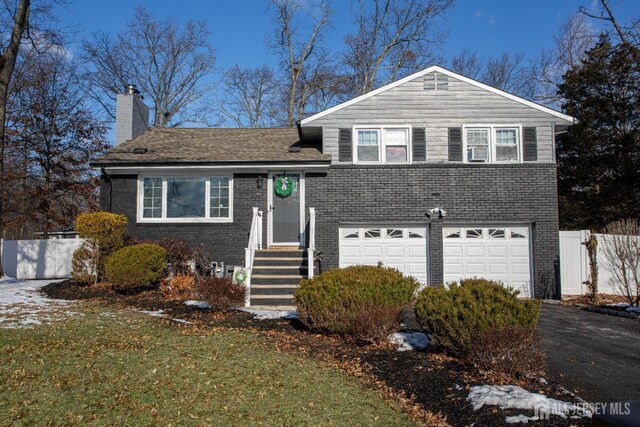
(107, 179)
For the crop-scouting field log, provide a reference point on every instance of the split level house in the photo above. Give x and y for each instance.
(436, 174)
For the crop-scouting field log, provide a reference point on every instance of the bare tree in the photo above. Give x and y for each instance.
(51, 137)
(509, 72)
(621, 250)
(18, 17)
(167, 61)
(251, 97)
(394, 38)
(571, 43)
(296, 47)
(467, 63)
(628, 34)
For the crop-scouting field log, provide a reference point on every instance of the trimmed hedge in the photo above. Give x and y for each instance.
(219, 292)
(457, 315)
(363, 302)
(136, 268)
(103, 234)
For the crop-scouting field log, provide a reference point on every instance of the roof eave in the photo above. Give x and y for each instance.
(231, 163)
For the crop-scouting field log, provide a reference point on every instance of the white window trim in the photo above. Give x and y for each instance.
(382, 152)
(492, 141)
(205, 175)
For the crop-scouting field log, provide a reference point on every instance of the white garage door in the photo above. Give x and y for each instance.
(495, 253)
(404, 248)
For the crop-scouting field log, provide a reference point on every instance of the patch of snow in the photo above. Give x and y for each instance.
(22, 305)
(198, 304)
(543, 380)
(618, 304)
(457, 386)
(634, 310)
(520, 419)
(270, 314)
(185, 322)
(409, 340)
(157, 313)
(514, 397)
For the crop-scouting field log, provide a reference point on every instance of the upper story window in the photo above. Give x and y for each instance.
(185, 199)
(382, 145)
(493, 144)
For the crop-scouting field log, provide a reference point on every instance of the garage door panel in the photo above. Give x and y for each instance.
(405, 249)
(394, 251)
(520, 251)
(475, 251)
(417, 251)
(497, 251)
(453, 251)
(350, 251)
(454, 268)
(520, 268)
(475, 268)
(481, 254)
(372, 251)
(498, 268)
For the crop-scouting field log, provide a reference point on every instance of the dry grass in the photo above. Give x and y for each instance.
(124, 367)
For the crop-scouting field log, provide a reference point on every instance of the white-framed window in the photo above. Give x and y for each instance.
(185, 198)
(493, 143)
(368, 145)
(386, 144)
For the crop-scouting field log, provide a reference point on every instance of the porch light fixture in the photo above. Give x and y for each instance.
(260, 182)
(436, 213)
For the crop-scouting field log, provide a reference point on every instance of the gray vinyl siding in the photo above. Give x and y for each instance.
(461, 104)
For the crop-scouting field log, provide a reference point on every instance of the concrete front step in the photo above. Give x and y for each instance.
(269, 253)
(274, 302)
(286, 286)
(273, 281)
(279, 272)
(275, 276)
(271, 290)
(274, 307)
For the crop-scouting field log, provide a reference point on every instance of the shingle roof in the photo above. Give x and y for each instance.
(215, 145)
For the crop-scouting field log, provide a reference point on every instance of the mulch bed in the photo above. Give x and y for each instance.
(437, 382)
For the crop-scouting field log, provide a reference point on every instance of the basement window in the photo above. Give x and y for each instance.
(185, 199)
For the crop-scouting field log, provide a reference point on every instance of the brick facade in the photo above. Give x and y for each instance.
(224, 241)
(471, 194)
(348, 194)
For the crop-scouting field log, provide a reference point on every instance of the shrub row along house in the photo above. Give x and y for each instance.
(437, 175)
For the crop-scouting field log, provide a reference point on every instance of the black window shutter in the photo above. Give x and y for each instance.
(455, 144)
(530, 144)
(344, 146)
(419, 145)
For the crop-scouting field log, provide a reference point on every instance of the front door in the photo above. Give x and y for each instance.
(285, 208)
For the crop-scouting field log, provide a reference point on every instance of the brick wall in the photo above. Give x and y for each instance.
(224, 241)
(471, 194)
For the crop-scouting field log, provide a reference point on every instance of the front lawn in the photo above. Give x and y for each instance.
(121, 367)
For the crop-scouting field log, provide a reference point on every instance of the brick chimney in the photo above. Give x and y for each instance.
(132, 115)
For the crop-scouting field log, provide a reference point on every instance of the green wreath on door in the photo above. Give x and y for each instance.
(283, 186)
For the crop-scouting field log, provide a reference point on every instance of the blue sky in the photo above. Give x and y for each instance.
(239, 28)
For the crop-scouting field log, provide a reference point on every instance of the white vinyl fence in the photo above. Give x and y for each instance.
(38, 259)
(574, 263)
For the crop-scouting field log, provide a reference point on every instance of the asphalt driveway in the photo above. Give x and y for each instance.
(595, 355)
